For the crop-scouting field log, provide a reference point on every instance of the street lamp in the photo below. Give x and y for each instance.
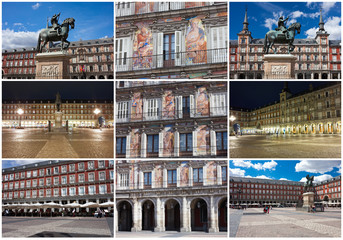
(20, 112)
(97, 111)
(232, 118)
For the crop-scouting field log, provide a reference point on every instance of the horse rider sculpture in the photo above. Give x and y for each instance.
(281, 25)
(55, 25)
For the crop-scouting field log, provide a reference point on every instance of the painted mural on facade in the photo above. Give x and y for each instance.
(168, 105)
(211, 172)
(202, 102)
(144, 7)
(135, 143)
(174, 19)
(159, 177)
(137, 107)
(168, 141)
(196, 41)
(137, 83)
(184, 174)
(194, 4)
(142, 46)
(221, 14)
(132, 176)
(123, 25)
(203, 140)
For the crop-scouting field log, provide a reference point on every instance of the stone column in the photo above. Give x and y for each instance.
(60, 209)
(77, 209)
(213, 217)
(185, 216)
(165, 178)
(159, 216)
(137, 216)
(115, 211)
(87, 209)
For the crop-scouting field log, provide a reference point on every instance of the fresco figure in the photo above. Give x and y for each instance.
(144, 7)
(211, 173)
(168, 142)
(135, 143)
(168, 105)
(137, 107)
(196, 41)
(184, 174)
(202, 105)
(158, 177)
(143, 47)
(203, 140)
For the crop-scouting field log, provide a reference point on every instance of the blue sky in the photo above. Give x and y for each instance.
(22, 21)
(263, 16)
(286, 169)
(14, 163)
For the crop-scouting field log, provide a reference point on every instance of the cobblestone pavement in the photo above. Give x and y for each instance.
(37, 143)
(169, 234)
(286, 146)
(286, 222)
(59, 226)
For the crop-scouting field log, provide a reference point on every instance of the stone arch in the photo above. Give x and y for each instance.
(101, 77)
(148, 214)
(124, 216)
(92, 77)
(324, 76)
(110, 77)
(172, 215)
(200, 214)
(221, 205)
(315, 76)
(300, 76)
(241, 76)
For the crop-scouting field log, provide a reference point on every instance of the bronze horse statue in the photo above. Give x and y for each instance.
(50, 34)
(273, 37)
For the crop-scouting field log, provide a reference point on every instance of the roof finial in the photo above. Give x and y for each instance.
(321, 22)
(245, 23)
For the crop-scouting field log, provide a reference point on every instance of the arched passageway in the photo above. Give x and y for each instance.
(199, 215)
(172, 215)
(148, 215)
(222, 215)
(124, 216)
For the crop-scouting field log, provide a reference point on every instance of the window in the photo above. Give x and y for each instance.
(221, 138)
(224, 173)
(102, 176)
(101, 164)
(28, 174)
(185, 105)
(122, 53)
(41, 172)
(72, 179)
(122, 111)
(34, 183)
(34, 173)
(218, 104)
(72, 191)
(55, 170)
(121, 145)
(56, 181)
(147, 179)
(81, 190)
(71, 167)
(48, 192)
(152, 144)
(22, 175)
(172, 176)
(111, 175)
(6, 177)
(90, 165)
(169, 47)
(28, 183)
(91, 177)
(28, 194)
(91, 190)
(81, 177)
(48, 171)
(81, 166)
(11, 184)
(151, 109)
(22, 194)
(63, 192)
(48, 181)
(102, 189)
(186, 142)
(41, 193)
(123, 179)
(197, 175)
(56, 192)
(64, 168)
(41, 182)
(22, 184)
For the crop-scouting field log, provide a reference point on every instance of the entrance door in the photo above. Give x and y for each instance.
(199, 216)
(222, 216)
(124, 217)
(172, 216)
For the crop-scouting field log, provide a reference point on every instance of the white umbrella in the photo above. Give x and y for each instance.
(90, 205)
(51, 205)
(37, 205)
(72, 205)
(106, 204)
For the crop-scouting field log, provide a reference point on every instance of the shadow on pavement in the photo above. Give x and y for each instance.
(61, 234)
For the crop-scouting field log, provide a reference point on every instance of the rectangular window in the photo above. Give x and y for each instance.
(56, 181)
(152, 144)
(123, 179)
(81, 177)
(121, 145)
(185, 105)
(63, 192)
(22, 184)
(90, 165)
(28, 194)
(101, 164)
(221, 138)
(81, 166)
(81, 190)
(34, 183)
(41, 193)
(64, 168)
(102, 176)
(219, 104)
(55, 170)
(34, 173)
(28, 183)
(111, 175)
(41, 172)
(48, 171)
(48, 192)
(72, 168)
(152, 109)
(41, 182)
(172, 176)
(28, 174)
(197, 175)
(91, 177)
(64, 179)
(72, 179)
(224, 173)
(147, 179)
(102, 189)
(48, 181)
(22, 175)
(169, 48)
(91, 190)
(72, 191)
(122, 111)
(186, 144)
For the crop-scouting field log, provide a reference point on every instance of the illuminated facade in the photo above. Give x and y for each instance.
(163, 196)
(59, 181)
(171, 40)
(318, 58)
(38, 113)
(315, 111)
(171, 119)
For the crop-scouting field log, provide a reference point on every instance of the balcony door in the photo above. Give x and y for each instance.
(169, 50)
(219, 44)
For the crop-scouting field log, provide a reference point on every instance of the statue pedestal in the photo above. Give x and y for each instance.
(58, 123)
(52, 65)
(279, 66)
(308, 199)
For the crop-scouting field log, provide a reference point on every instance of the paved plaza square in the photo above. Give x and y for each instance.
(170, 234)
(285, 222)
(285, 146)
(57, 227)
(37, 143)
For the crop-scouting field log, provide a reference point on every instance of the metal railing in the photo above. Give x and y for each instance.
(180, 59)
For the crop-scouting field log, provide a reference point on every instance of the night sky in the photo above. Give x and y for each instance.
(253, 94)
(72, 90)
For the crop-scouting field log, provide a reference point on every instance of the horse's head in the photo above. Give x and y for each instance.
(296, 27)
(69, 21)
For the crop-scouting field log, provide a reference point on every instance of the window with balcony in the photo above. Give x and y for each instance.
(102, 189)
(22, 175)
(72, 179)
(172, 177)
(34, 183)
(22, 184)
(91, 177)
(102, 176)
(147, 180)
(81, 178)
(28, 183)
(64, 168)
(22, 194)
(72, 168)
(81, 166)
(101, 164)
(56, 170)
(28, 174)
(90, 165)
(197, 176)
(91, 190)
(152, 145)
(48, 171)
(48, 192)
(121, 146)
(56, 190)
(186, 143)
(28, 194)
(34, 173)
(56, 180)
(81, 191)
(11, 185)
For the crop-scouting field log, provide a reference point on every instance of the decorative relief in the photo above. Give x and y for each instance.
(279, 69)
(50, 71)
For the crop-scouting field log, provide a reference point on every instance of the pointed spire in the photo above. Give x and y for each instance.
(321, 22)
(245, 23)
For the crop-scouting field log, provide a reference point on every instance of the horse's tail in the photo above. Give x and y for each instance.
(38, 43)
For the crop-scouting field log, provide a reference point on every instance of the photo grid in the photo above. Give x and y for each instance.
(121, 119)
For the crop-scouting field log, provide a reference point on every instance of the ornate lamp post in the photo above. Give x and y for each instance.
(232, 119)
(96, 112)
(20, 112)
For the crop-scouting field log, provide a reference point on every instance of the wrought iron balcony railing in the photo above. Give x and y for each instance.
(169, 60)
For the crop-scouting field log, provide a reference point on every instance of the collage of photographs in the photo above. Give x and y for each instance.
(206, 101)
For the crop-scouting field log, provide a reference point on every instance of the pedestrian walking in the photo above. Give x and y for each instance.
(268, 209)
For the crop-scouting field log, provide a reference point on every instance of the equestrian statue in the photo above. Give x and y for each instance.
(308, 185)
(281, 35)
(56, 32)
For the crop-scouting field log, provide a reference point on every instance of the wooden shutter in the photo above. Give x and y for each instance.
(212, 105)
(178, 56)
(213, 141)
(178, 107)
(195, 144)
(123, 54)
(128, 141)
(192, 105)
(160, 144)
(176, 144)
(143, 145)
(163, 6)
(160, 50)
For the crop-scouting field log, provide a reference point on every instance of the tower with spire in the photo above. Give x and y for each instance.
(244, 39)
(321, 34)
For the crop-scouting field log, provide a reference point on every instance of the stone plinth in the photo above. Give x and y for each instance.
(58, 123)
(52, 65)
(308, 199)
(279, 66)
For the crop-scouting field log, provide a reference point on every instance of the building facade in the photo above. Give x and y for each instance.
(255, 191)
(171, 119)
(171, 196)
(163, 40)
(315, 111)
(318, 58)
(38, 113)
(59, 181)
(91, 59)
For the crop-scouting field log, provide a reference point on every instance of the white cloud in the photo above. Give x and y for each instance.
(332, 26)
(104, 37)
(318, 178)
(6, 23)
(236, 172)
(253, 18)
(314, 166)
(263, 177)
(326, 6)
(284, 179)
(311, 33)
(258, 166)
(17, 24)
(296, 14)
(270, 22)
(14, 163)
(12, 39)
(36, 6)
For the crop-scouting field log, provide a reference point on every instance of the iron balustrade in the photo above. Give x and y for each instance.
(169, 60)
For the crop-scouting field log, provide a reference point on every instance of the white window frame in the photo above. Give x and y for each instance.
(100, 175)
(152, 109)
(70, 191)
(84, 191)
(218, 104)
(89, 177)
(122, 111)
(89, 188)
(80, 176)
(105, 189)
